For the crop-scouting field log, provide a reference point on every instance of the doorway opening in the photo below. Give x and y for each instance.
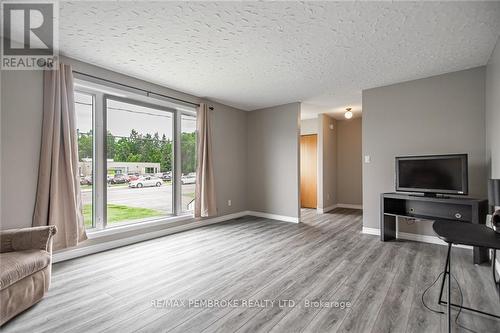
(309, 171)
(330, 163)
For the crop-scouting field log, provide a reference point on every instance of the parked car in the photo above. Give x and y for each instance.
(188, 179)
(119, 179)
(86, 180)
(132, 176)
(166, 176)
(145, 182)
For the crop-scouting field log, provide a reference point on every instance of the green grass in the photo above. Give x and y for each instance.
(120, 213)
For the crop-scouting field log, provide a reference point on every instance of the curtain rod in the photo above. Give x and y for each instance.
(140, 89)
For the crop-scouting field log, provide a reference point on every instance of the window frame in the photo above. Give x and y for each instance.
(180, 152)
(101, 94)
(93, 117)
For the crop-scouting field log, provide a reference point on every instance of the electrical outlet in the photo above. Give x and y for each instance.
(229, 203)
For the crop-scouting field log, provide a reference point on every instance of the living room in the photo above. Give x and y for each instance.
(152, 170)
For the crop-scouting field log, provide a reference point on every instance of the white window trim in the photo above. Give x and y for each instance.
(100, 92)
(95, 233)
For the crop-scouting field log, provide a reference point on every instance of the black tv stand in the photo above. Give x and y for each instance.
(394, 205)
(428, 195)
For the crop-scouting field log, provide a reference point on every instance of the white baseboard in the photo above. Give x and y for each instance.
(340, 205)
(274, 216)
(413, 237)
(325, 209)
(371, 231)
(90, 249)
(108, 245)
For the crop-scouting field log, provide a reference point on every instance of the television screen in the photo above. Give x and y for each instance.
(432, 174)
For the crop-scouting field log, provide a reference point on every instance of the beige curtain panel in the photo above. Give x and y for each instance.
(204, 203)
(58, 199)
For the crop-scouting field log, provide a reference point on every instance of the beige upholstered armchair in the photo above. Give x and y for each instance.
(25, 267)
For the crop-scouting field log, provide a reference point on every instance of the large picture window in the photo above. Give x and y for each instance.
(137, 157)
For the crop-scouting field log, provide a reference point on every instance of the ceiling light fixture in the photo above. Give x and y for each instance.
(348, 114)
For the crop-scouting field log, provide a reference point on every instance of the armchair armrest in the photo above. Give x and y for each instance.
(27, 239)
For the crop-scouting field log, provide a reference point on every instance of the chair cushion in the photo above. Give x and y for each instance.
(17, 265)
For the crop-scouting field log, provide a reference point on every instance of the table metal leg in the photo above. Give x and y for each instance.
(447, 274)
(449, 288)
(445, 271)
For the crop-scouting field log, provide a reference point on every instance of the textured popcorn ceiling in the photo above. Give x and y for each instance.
(253, 55)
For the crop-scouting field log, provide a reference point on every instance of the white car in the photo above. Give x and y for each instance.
(188, 179)
(145, 182)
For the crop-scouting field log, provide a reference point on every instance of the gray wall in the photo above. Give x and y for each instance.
(349, 162)
(273, 160)
(493, 113)
(230, 162)
(436, 115)
(493, 116)
(327, 162)
(21, 95)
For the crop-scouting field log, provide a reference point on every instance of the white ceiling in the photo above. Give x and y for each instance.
(252, 55)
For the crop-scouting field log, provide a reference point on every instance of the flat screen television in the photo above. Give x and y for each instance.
(432, 174)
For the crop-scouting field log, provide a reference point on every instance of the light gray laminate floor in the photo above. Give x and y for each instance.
(325, 258)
